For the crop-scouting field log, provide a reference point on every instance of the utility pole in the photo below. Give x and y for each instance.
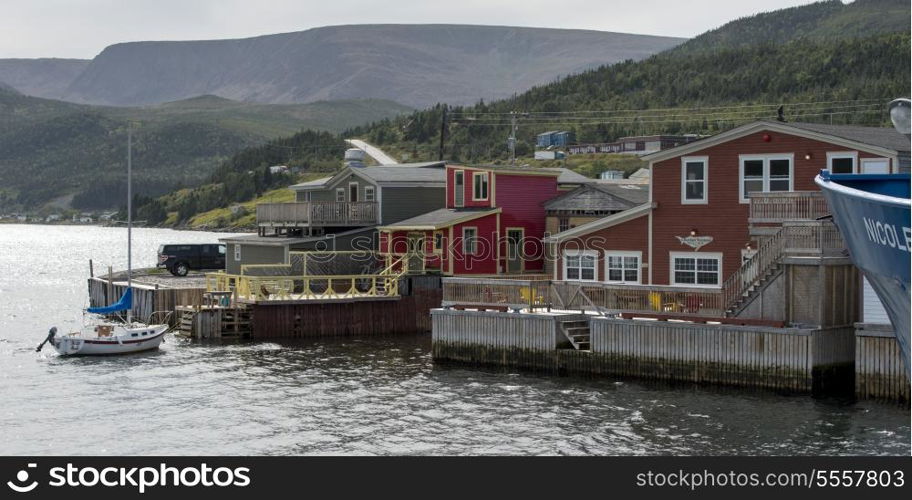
(442, 132)
(512, 140)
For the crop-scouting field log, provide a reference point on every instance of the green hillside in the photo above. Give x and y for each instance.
(824, 61)
(75, 154)
(806, 56)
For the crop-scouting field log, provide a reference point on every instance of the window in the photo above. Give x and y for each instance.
(563, 224)
(842, 162)
(438, 241)
(622, 267)
(693, 180)
(469, 240)
(875, 166)
(304, 196)
(579, 265)
(369, 193)
(696, 269)
(480, 186)
(764, 174)
(340, 194)
(459, 188)
(237, 252)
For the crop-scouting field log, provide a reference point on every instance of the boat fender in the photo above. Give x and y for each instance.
(51, 333)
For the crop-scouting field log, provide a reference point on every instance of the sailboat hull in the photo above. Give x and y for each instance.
(127, 340)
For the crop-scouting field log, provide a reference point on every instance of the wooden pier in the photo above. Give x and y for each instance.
(787, 359)
(155, 297)
(880, 372)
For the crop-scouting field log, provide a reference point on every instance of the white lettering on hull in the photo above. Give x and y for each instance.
(886, 234)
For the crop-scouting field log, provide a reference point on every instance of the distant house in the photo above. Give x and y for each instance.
(557, 138)
(278, 169)
(637, 145)
(53, 218)
(340, 212)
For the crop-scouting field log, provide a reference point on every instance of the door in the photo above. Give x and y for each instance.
(353, 192)
(459, 188)
(514, 250)
(415, 252)
(875, 166)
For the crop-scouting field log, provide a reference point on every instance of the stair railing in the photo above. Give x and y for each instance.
(752, 270)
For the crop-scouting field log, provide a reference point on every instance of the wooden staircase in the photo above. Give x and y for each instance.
(208, 322)
(738, 305)
(577, 332)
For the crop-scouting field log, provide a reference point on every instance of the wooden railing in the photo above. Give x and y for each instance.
(815, 238)
(317, 213)
(787, 206)
(303, 288)
(602, 298)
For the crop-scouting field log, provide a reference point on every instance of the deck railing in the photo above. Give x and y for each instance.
(808, 238)
(778, 207)
(317, 213)
(602, 298)
(261, 288)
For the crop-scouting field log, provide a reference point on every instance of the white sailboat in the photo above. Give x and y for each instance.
(108, 337)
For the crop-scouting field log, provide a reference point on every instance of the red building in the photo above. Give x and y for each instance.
(699, 225)
(493, 223)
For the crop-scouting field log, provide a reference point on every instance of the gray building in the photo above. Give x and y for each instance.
(340, 212)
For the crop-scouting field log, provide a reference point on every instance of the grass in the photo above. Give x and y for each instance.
(223, 217)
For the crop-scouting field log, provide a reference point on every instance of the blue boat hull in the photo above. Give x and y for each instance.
(872, 213)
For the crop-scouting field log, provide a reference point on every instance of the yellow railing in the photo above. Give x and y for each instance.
(268, 288)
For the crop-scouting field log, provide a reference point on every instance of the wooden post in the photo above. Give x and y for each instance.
(110, 285)
(91, 269)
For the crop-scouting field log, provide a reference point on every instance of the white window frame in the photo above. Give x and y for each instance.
(370, 193)
(459, 199)
(835, 155)
(305, 196)
(873, 160)
(340, 191)
(695, 255)
(622, 254)
(484, 182)
(237, 252)
(581, 253)
(766, 172)
(694, 159)
(465, 241)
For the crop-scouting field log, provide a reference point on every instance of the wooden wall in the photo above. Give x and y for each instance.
(146, 299)
(794, 360)
(410, 313)
(879, 369)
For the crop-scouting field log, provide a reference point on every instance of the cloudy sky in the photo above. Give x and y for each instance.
(82, 28)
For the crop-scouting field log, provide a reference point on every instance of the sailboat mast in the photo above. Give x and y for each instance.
(130, 216)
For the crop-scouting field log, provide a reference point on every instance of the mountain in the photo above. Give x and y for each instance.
(41, 77)
(803, 58)
(417, 65)
(828, 20)
(73, 154)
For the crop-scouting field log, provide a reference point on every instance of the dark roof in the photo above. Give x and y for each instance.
(568, 176)
(425, 172)
(403, 173)
(443, 217)
(599, 197)
(884, 137)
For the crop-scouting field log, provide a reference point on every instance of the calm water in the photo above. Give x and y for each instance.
(353, 396)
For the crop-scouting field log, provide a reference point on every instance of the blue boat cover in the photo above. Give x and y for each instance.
(125, 302)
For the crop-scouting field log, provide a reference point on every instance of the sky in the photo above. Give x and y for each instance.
(82, 28)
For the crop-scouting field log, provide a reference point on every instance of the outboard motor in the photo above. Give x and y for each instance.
(50, 338)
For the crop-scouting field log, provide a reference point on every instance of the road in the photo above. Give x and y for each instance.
(375, 153)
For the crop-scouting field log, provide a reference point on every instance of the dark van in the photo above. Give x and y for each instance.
(179, 259)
